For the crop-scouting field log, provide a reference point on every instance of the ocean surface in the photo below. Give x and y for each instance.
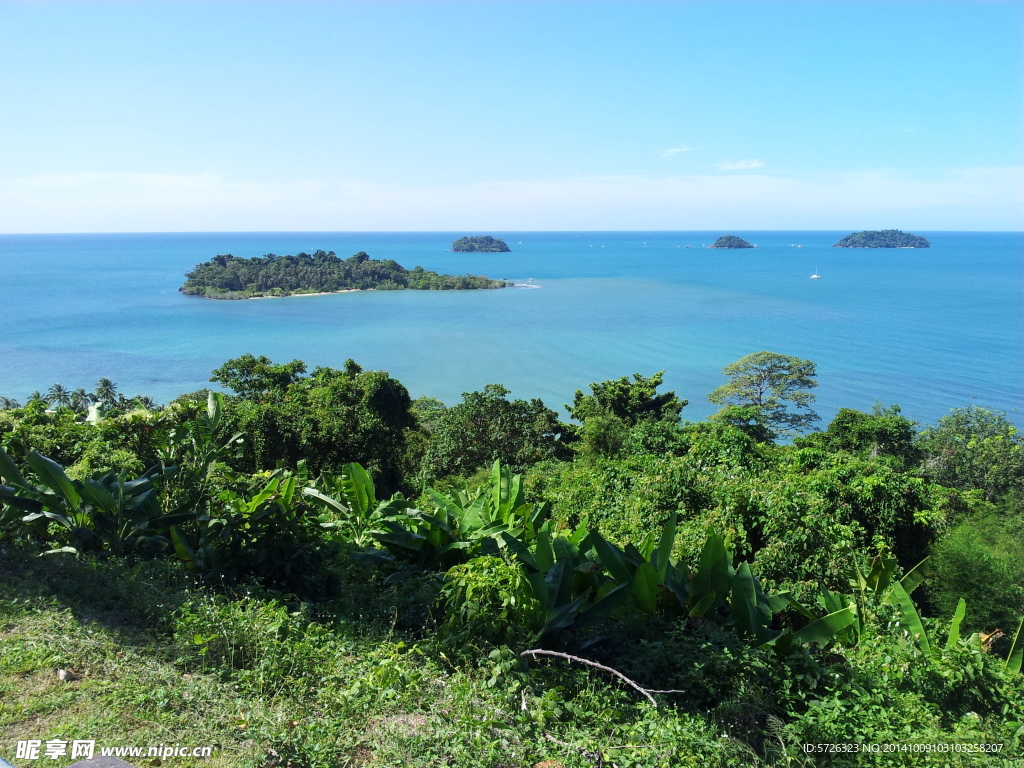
(930, 329)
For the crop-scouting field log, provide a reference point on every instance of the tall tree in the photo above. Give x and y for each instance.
(59, 396)
(778, 385)
(631, 401)
(251, 377)
(974, 448)
(487, 426)
(106, 391)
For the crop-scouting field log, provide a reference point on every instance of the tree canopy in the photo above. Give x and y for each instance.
(731, 241)
(773, 383)
(884, 238)
(631, 401)
(487, 426)
(480, 244)
(230, 277)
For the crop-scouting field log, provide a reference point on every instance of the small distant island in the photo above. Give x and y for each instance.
(730, 241)
(231, 277)
(885, 238)
(480, 244)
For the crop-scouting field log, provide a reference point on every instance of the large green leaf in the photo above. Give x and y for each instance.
(612, 559)
(916, 575)
(358, 488)
(1016, 657)
(9, 470)
(53, 477)
(824, 629)
(954, 626)
(564, 615)
(662, 555)
(543, 552)
(911, 618)
(11, 496)
(749, 605)
(646, 585)
(712, 573)
(322, 499)
(606, 605)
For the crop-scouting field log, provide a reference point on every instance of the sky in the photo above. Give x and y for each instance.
(517, 115)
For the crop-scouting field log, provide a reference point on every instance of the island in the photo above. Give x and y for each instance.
(885, 238)
(480, 244)
(730, 241)
(231, 277)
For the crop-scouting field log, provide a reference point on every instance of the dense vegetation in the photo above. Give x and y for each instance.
(730, 241)
(886, 238)
(230, 277)
(317, 570)
(481, 244)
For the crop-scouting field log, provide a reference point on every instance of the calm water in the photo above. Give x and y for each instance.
(931, 329)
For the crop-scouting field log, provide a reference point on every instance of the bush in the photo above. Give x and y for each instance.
(982, 561)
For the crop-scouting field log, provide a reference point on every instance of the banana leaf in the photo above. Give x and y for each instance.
(911, 618)
(1016, 656)
(824, 629)
(53, 477)
(612, 559)
(646, 585)
(954, 627)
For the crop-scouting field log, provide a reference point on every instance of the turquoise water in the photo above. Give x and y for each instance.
(930, 329)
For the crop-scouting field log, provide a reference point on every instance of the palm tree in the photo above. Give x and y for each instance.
(59, 395)
(80, 400)
(106, 391)
(7, 403)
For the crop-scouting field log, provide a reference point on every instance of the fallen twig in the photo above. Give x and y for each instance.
(646, 692)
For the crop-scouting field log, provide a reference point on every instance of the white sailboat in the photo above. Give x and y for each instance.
(815, 276)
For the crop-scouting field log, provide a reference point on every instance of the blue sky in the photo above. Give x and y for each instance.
(205, 116)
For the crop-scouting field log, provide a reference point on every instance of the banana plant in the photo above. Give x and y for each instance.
(238, 523)
(462, 525)
(194, 450)
(351, 508)
(109, 513)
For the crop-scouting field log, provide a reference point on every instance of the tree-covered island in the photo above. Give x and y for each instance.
(885, 238)
(730, 241)
(480, 244)
(231, 277)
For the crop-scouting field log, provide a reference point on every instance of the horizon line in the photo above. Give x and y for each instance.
(455, 231)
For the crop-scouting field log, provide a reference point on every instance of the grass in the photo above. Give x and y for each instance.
(267, 681)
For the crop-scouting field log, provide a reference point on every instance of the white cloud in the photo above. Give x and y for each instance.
(740, 165)
(971, 198)
(677, 150)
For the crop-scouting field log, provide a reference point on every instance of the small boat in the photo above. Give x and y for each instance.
(815, 276)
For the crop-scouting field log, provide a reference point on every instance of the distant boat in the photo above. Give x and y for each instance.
(815, 276)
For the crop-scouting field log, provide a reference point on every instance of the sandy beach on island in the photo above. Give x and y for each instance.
(322, 293)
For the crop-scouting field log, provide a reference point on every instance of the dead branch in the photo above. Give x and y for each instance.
(646, 692)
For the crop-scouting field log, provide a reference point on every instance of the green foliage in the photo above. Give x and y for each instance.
(730, 241)
(230, 277)
(977, 448)
(630, 401)
(487, 427)
(885, 238)
(480, 244)
(489, 599)
(869, 435)
(330, 419)
(109, 513)
(772, 383)
(251, 377)
(980, 559)
(353, 510)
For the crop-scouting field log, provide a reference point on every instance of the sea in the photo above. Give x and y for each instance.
(928, 329)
